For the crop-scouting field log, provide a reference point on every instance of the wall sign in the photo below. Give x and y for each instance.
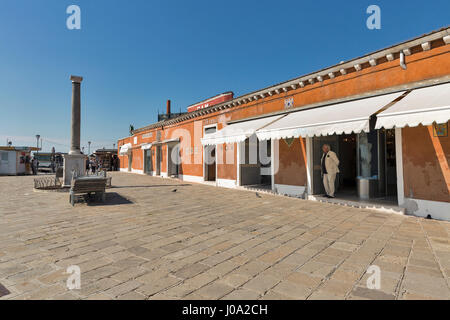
(440, 130)
(289, 141)
(288, 103)
(147, 135)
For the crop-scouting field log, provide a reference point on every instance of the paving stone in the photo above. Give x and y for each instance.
(292, 290)
(190, 271)
(157, 285)
(123, 288)
(242, 294)
(303, 279)
(131, 296)
(261, 283)
(372, 294)
(214, 290)
(235, 280)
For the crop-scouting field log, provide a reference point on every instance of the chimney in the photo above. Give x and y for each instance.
(168, 107)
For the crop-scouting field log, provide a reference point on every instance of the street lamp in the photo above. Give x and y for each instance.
(37, 142)
(89, 150)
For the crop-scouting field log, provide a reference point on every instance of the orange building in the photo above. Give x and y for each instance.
(385, 115)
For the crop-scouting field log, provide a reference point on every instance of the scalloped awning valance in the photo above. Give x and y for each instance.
(340, 118)
(422, 106)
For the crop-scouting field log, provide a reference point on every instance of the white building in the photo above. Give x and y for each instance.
(15, 160)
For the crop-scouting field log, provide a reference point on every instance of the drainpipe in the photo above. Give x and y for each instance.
(402, 60)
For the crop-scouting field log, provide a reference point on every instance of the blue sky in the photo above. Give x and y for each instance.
(134, 55)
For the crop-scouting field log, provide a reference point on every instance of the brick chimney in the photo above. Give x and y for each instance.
(168, 107)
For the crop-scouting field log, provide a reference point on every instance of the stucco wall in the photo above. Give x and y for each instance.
(228, 154)
(292, 163)
(425, 164)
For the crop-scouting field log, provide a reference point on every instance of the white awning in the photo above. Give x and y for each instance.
(238, 132)
(341, 118)
(125, 149)
(146, 146)
(421, 106)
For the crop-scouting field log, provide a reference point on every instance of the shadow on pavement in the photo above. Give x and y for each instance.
(112, 199)
(153, 186)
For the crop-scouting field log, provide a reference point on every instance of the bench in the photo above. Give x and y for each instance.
(87, 186)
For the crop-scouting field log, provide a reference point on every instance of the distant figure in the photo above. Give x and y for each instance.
(329, 164)
(93, 166)
(116, 163)
(87, 165)
(34, 165)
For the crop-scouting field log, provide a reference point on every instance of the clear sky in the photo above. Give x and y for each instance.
(136, 54)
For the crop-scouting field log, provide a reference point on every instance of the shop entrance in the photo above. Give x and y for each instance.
(255, 166)
(345, 148)
(367, 165)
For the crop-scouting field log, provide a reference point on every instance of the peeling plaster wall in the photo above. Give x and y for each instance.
(292, 163)
(425, 165)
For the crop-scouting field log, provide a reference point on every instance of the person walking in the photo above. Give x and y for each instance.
(330, 167)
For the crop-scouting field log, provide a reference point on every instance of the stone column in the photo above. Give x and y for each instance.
(75, 161)
(76, 115)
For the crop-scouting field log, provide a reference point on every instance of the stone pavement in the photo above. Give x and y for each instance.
(201, 242)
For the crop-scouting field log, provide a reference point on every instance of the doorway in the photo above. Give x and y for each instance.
(256, 163)
(210, 164)
(345, 147)
(388, 163)
(158, 160)
(130, 161)
(173, 159)
(209, 157)
(148, 161)
(369, 156)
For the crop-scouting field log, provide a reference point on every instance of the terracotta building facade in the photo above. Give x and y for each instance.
(386, 115)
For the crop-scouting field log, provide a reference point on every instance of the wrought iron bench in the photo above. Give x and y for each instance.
(87, 186)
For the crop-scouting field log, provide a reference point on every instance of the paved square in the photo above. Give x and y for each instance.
(165, 239)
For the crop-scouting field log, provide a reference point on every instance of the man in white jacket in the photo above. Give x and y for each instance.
(330, 167)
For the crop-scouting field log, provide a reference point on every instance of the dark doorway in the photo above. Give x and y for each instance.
(348, 163)
(158, 160)
(345, 147)
(211, 163)
(148, 161)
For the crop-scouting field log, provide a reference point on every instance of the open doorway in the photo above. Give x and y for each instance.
(173, 159)
(209, 157)
(255, 166)
(148, 161)
(158, 160)
(130, 161)
(345, 147)
(210, 163)
(364, 158)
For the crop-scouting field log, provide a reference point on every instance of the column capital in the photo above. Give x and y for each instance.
(76, 79)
